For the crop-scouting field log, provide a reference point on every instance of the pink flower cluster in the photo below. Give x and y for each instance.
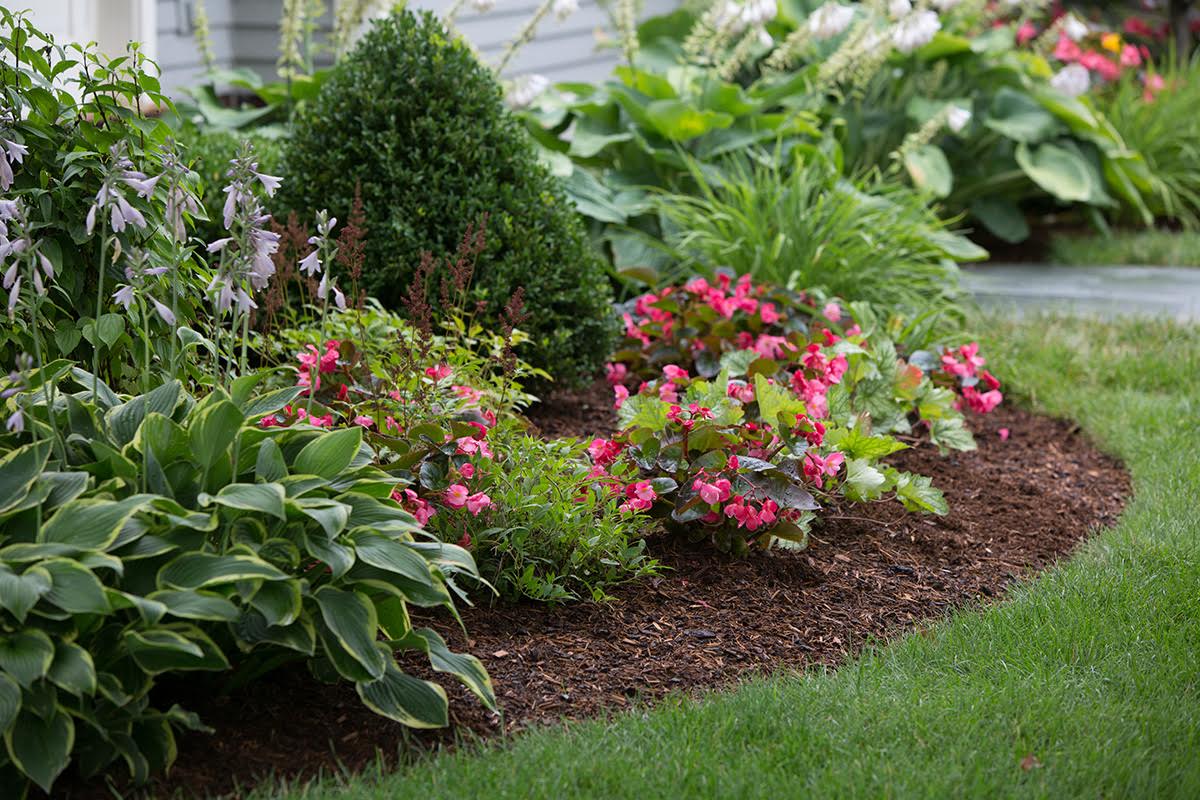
(313, 362)
(459, 496)
(639, 496)
(966, 364)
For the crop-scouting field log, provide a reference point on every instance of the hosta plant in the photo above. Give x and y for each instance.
(756, 402)
(177, 534)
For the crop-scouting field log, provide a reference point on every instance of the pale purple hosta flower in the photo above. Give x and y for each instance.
(246, 253)
(110, 200)
(17, 383)
(311, 264)
(14, 153)
(269, 182)
(323, 288)
(167, 315)
(14, 295)
(24, 252)
(124, 296)
(957, 118)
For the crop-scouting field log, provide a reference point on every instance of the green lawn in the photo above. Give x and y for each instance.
(1152, 248)
(1093, 669)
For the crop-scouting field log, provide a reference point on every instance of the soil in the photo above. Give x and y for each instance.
(870, 573)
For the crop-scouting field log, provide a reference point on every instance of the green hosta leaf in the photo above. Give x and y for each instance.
(278, 601)
(151, 611)
(930, 170)
(329, 454)
(951, 433)
(1061, 172)
(466, 668)
(917, 493)
(64, 487)
(18, 470)
(408, 700)
(390, 555)
(105, 397)
(393, 617)
(243, 387)
(270, 402)
(20, 593)
(10, 701)
(124, 420)
(163, 437)
(300, 636)
(679, 120)
(73, 669)
(41, 748)
(196, 605)
(213, 431)
(92, 524)
(266, 498)
(196, 570)
(349, 630)
(183, 647)
(1001, 217)
(269, 465)
(862, 482)
(110, 327)
(337, 557)
(1021, 118)
(331, 515)
(74, 588)
(26, 656)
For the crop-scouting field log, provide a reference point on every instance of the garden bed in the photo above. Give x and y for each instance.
(875, 571)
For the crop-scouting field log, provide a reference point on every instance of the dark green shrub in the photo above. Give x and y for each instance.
(420, 124)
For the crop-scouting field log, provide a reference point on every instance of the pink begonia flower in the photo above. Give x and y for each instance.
(970, 354)
(615, 373)
(365, 421)
(1101, 64)
(390, 423)
(329, 358)
(468, 393)
(620, 394)
(815, 467)
(989, 380)
(1130, 57)
(769, 346)
(674, 373)
(604, 451)
(467, 470)
(469, 445)
(269, 421)
(478, 502)
(1154, 84)
(854, 330)
(766, 513)
(1027, 32)
(740, 391)
(641, 497)
(419, 508)
(981, 403)
(1067, 50)
(732, 462)
(633, 331)
(438, 373)
(1004, 433)
(768, 314)
(952, 365)
(667, 393)
(836, 369)
(832, 312)
(712, 493)
(456, 495)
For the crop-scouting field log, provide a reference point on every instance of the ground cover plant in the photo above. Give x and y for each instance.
(1081, 683)
(1154, 248)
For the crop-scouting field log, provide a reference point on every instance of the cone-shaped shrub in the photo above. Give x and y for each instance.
(413, 117)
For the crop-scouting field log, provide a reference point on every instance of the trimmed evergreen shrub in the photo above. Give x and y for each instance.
(413, 117)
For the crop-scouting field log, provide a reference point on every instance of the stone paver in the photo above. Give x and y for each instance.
(1106, 291)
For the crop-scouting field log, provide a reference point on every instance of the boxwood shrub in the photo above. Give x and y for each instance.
(413, 117)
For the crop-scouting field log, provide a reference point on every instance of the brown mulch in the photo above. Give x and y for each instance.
(870, 572)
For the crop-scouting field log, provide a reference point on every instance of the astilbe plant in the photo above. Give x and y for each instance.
(742, 405)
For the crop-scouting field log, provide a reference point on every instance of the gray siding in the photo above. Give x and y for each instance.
(245, 33)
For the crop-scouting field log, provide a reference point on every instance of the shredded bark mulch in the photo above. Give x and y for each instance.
(870, 573)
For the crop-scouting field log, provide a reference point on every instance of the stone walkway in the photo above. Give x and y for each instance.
(1104, 291)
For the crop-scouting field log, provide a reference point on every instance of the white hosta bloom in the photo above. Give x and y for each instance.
(565, 8)
(1074, 28)
(765, 39)
(945, 5)
(528, 90)
(915, 30)
(830, 20)
(1072, 80)
(731, 16)
(899, 8)
(483, 6)
(957, 118)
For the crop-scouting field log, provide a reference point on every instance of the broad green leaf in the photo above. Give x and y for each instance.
(466, 668)
(408, 700)
(184, 647)
(1002, 217)
(110, 327)
(73, 669)
(20, 593)
(270, 402)
(329, 454)
(776, 405)
(331, 515)
(679, 120)
(196, 570)
(856, 444)
(390, 555)
(350, 618)
(26, 656)
(337, 557)
(862, 481)
(951, 433)
(124, 420)
(10, 701)
(197, 605)
(930, 170)
(917, 493)
(19, 469)
(269, 464)
(393, 617)
(266, 498)
(1021, 118)
(40, 747)
(163, 437)
(278, 601)
(90, 523)
(74, 588)
(1061, 172)
(214, 430)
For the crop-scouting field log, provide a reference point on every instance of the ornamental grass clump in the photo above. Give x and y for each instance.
(411, 118)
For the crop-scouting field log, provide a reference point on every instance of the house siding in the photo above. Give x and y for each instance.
(245, 33)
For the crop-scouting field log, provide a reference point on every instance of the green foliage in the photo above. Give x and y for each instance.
(800, 224)
(178, 534)
(77, 114)
(1154, 248)
(434, 150)
(551, 534)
